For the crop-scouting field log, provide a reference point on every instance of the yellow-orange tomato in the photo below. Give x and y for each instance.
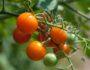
(20, 37)
(27, 23)
(58, 35)
(36, 51)
(66, 48)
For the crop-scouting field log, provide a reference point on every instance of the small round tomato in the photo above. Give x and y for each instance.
(50, 59)
(36, 51)
(58, 35)
(27, 23)
(20, 37)
(66, 48)
(70, 38)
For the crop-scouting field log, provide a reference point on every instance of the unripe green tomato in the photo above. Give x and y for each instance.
(50, 59)
(70, 38)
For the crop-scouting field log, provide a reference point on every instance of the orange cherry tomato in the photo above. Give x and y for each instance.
(20, 37)
(66, 48)
(36, 51)
(58, 35)
(27, 23)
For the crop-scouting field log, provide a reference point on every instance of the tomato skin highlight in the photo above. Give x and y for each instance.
(35, 51)
(27, 23)
(19, 37)
(58, 35)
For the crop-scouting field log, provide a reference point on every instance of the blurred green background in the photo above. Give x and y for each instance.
(13, 56)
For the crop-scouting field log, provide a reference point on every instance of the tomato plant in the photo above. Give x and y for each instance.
(51, 30)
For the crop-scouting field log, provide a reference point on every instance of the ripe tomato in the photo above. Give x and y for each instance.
(27, 23)
(20, 37)
(41, 37)
(58, 35)
(36, 51)
(66, 48)
(50, 59)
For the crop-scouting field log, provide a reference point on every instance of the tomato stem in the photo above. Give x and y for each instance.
(54, 25)
(46, 42)
(28, 2)
(75, 11)
(3, 6)
(68, 58)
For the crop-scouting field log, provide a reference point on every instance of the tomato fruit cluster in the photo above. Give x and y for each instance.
(27, 24)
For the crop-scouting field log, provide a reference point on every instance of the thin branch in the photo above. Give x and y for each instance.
(76, 11)
(70, 62)
(28, 3)
(68, 1)
(4, 17)
(5, 12)
(3, 7)
(8, 13)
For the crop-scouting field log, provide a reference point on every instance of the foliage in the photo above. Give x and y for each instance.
(73, 14)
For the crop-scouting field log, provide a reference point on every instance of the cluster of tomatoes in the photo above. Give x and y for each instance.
(27, 24)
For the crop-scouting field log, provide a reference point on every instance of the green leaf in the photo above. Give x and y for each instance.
(83, 5)
(48, 4)
(69, 16)
(88, 52)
